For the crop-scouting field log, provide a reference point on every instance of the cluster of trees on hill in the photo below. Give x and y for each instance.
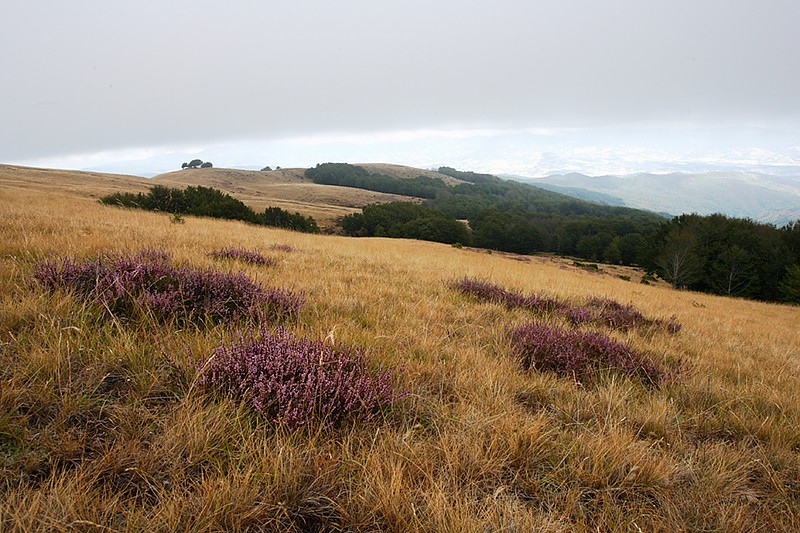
(209, 202)
(406, 220)
(727, 256)
(197, 163)
(346, 175)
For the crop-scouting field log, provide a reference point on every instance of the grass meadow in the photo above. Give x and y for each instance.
(104, 424)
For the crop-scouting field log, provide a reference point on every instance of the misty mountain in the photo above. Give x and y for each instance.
(761, 197)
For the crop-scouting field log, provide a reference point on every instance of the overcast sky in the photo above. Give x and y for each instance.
(88, 83)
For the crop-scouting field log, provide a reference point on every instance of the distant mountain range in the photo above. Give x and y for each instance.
(762, 197)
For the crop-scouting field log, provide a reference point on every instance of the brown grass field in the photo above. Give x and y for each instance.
(475, 445)
(285, 188)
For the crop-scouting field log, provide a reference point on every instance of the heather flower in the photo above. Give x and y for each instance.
(583, 354)
(282, 248)
(603, 312)
(147, 281)
(248, 256)
(615, 315)
(297, 382)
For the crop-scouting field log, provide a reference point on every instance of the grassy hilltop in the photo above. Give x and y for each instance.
(105, 424)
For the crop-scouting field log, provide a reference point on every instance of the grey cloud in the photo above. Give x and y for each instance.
(91, 75)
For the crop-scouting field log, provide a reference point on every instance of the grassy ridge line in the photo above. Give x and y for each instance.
(477, 445)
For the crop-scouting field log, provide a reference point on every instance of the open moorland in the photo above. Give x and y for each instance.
(288, 189)
(434, 388)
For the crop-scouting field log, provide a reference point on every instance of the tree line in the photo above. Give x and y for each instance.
(346, 175)
(209, 202)
(728, 256)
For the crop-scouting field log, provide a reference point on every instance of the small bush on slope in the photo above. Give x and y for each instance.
(298, 382)
(147, 282)
(583, 354)
(240, 254)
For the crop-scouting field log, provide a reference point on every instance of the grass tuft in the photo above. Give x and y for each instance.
(253, 257)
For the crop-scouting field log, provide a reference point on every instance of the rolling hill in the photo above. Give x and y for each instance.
(286, 188)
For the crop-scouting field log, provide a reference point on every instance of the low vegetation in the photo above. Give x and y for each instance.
(146, 283)
(253, 257)
(583, 355)
(387, 401)
(593, 310)
(297, 382)
(209, 202)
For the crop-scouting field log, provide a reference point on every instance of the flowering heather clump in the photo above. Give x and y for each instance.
(610, 313)
(147, 281)
(482, 290)
(578, 316)
(597, 311)
(241, 254)
(489, 292)
(282, 248)
(583, 354)
(296, 382)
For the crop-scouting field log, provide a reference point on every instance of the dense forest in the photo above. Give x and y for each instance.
(209, 202)
(728, 256)
(346, 175)
(406, 220)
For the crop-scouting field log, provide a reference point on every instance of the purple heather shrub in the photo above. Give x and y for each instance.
(578, 316)
(485, 291)
(583, 354)
(297, 382)
(282, 248)
(610, 313)
(672, 325)
(596, 310)
(241, 254)
(489, 292)
(147, 281)
(615, 315)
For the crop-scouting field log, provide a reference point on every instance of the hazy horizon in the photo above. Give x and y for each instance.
(526, 88)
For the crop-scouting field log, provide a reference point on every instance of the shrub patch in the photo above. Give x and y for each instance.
(297, 382)
(147, 282)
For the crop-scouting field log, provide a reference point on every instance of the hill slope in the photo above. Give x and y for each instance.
(106, 427)
(87, 184)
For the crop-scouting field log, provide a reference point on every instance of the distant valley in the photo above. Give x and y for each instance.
(761, 197)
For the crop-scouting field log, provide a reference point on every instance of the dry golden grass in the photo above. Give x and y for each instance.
(476, 445)
(86, 184)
